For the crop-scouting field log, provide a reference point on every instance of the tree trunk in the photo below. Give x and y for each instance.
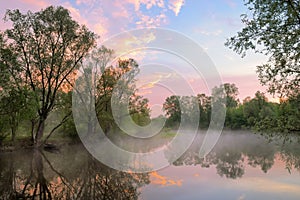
(39, 132)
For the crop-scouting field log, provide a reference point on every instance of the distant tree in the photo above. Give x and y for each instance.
(111, 86)
(235, 118)
(92, 86)
(139, 110)
(253, 107)
(120, 80)
(205, 110)
(228, 92)
(273, 29)
(232, 93)
(172, 109)
(47, 48)
(258, 111)
(225, 95)
(181, 110)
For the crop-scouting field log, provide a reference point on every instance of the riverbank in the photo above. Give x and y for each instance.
(165, 135)
(26, 143)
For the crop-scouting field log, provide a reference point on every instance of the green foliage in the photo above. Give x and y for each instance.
(119, 81)
(181, 110)
(227, 93)
(235, 118)
(64, 109)
(257, 113)
(253, 109)
(287, 118)
(139, 110)
(69, 129)
(272, 28)
(205, 110)
(173, 112)
(44, 50)
(16, 106)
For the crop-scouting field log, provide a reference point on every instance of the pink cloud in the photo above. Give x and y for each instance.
(150, 3)
(75, 13)
(107, 17)
(136, 3)
(176, 6)
(148, 21)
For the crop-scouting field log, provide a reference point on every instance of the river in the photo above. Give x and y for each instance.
(241, 166)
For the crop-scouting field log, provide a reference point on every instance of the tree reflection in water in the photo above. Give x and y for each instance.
(233, 152)
(39, 178)
(74, 174)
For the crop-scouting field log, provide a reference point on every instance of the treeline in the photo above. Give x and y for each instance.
(255, 113)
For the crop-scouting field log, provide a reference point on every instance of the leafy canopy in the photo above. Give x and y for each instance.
(273, 29)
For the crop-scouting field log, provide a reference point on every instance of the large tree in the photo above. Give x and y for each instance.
(47, 47)
(272, 28)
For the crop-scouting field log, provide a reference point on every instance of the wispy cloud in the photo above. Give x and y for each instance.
(176, 5)
(148, 21)
(150, 3)
(111, 17)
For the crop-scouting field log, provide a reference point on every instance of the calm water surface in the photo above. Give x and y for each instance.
(241, 166)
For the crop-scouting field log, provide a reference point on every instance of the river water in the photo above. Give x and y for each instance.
(241, 166)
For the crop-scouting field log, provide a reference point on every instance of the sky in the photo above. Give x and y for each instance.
(207, 22)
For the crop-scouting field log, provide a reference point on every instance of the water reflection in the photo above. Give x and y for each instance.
(241, 166)
(38, 175)
(74, 174)
(234, 151)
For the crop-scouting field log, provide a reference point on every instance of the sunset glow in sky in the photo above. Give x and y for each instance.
(208, 23)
